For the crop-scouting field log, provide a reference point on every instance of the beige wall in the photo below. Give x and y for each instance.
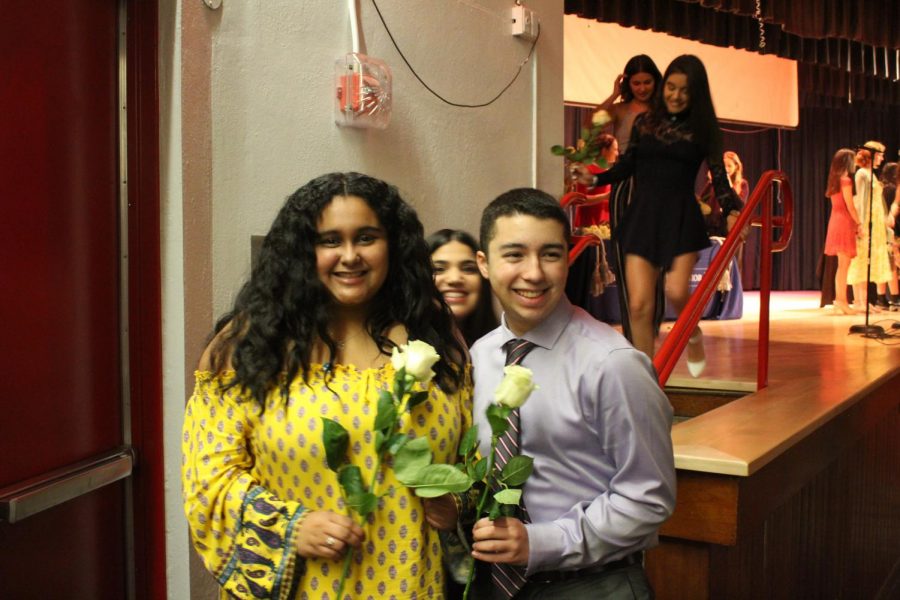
(273, 125)
(249, 113)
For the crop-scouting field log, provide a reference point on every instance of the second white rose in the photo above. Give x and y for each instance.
(515, 387)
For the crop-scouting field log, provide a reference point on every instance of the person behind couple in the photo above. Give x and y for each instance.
(468, 294)
(343, 276)
(598, 425)
(663, 229)
(456, 275)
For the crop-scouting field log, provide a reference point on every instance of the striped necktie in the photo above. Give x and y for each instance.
(509, 579)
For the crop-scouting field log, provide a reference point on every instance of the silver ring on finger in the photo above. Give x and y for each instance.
(330, 541)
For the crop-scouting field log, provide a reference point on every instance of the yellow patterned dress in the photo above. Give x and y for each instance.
(859, 264)
(249, 474)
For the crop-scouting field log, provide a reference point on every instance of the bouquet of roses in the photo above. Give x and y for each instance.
(586, 149)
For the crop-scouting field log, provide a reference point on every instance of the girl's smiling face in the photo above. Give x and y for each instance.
(457, 277)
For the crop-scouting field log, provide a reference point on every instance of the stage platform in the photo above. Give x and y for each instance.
(805, 341)
(790, 491)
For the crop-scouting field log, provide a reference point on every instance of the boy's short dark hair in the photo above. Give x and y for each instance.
(521, 201)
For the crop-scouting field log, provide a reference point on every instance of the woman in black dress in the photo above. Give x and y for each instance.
(663, 228)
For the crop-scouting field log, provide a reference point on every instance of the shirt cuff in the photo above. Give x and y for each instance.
(546, 543)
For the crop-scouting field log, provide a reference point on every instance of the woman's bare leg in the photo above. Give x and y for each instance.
(840, 284)
(640, 277)
(678, 291)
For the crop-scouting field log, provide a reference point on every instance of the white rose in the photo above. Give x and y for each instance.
(601, 118)
(417, 357)
(515, 387)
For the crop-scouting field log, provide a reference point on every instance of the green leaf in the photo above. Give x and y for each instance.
(379, 441)
(336, 440)
(363, 503)
(469, 440)
(481, 469)
(517, 470)
(387, 412)
(508, 496)
(508, 510)
(585, 133)
(437, 480)
(416, 399)
(496, 416)
(493, 510)
(558, 150)
(400, 383)
(350, 478)
(396, 442)
(411, 458)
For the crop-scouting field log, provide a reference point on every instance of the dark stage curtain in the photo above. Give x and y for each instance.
(805, 155)
(846, 48)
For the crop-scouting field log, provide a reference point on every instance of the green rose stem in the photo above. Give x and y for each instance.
(345, 571)
(481, 500)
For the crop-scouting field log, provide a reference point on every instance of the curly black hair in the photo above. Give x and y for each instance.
(283, 308)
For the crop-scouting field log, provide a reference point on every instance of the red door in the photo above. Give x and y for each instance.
(64, 531)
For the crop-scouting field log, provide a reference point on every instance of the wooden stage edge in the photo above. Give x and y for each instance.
(816, 370)
(792, 491)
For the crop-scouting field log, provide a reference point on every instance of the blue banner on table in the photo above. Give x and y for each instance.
(722, 305)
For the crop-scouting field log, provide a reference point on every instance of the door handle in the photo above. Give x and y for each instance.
(26, 498)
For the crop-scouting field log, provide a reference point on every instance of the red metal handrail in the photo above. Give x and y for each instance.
(579, 242)
(674, 344)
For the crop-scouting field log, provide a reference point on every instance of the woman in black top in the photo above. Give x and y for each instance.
(663, 228)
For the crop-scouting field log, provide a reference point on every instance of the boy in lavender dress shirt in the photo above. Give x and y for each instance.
(598, 426)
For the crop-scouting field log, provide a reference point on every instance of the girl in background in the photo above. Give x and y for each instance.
(844, 224)
(469, 297)
(859, 274)
(634, 90)
(459, 281)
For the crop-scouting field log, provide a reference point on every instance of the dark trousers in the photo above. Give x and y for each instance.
(626, 583)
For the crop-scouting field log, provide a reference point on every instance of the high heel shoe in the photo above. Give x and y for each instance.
(695, 346)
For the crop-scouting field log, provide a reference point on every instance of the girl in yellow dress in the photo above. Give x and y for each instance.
(859, 273)
(342, 277)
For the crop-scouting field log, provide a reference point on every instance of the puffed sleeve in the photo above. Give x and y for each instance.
(245, 535)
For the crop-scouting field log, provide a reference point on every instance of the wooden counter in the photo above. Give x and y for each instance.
(792, 491)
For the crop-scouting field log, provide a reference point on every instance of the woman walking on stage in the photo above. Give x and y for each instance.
(663, 229)
(843, 225)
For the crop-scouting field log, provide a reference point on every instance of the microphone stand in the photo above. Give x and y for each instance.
(869, 331)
